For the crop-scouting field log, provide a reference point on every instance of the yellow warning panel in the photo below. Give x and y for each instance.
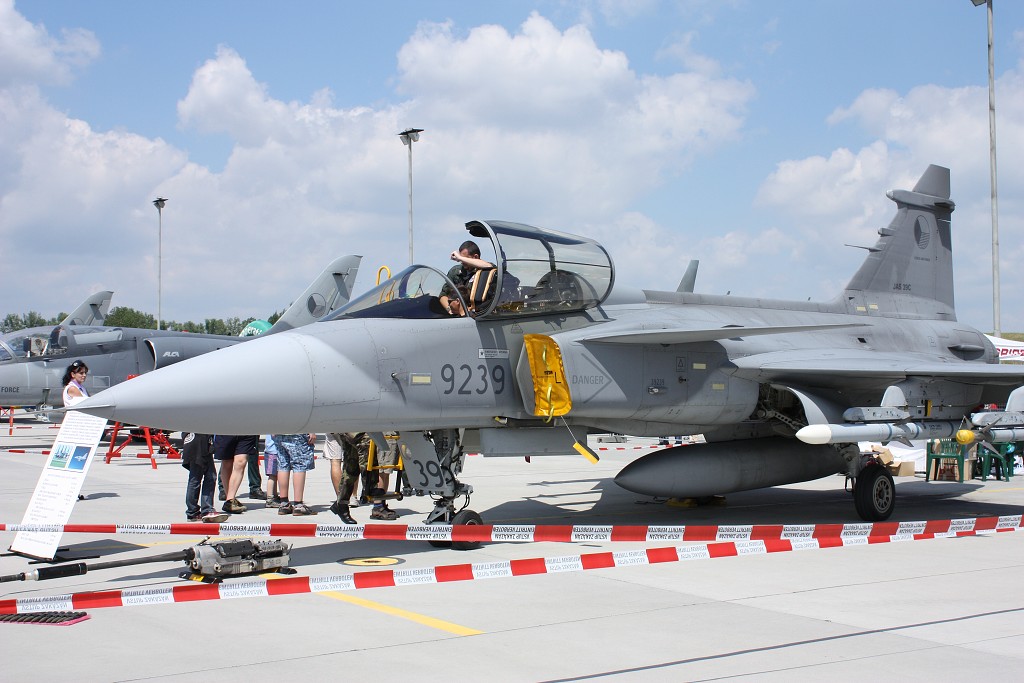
(550, 390)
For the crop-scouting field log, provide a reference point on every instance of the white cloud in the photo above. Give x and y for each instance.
(539, 77)
(550, 113)
(683, 51)
(29, 54)
(618, 12)
(540, 125)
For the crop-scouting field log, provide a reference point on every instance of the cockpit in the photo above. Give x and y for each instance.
(32, 343)
(53, 342)
(536, 272)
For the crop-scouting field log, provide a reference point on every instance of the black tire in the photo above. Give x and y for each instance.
(874, 494)
(466, 517)
(441, 544)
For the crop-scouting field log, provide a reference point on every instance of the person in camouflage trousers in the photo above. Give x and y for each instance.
(346, 446)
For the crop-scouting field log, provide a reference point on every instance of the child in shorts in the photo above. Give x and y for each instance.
(294, 459)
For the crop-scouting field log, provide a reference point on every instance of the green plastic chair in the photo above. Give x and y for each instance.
(949, 450)
(1003, 456)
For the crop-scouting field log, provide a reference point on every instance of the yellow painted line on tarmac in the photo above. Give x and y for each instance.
(421, 619)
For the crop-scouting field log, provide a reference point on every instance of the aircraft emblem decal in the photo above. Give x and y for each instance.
(921, 233)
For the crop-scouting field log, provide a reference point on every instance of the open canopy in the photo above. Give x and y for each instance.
(537, 271)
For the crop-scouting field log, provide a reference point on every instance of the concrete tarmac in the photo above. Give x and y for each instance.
(932, 610)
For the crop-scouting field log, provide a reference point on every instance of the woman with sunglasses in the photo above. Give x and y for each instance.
(74, 378)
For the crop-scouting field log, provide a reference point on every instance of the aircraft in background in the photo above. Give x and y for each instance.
(32, 341)
(782, 391)
(33, 362)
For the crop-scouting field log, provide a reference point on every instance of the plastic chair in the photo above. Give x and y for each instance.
(1003, 456)
(949, 449)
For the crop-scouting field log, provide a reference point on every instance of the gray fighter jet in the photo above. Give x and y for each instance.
(33, 341)
(33, 361)
(781, 390)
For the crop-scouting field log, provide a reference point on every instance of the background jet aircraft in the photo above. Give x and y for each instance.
(781, 390)
(33, 362)
(33, 341)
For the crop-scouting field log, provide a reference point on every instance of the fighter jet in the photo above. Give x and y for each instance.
(33, 341)
(33, 361)
(781, 390)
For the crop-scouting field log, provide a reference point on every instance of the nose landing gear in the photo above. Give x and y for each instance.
(433, 461)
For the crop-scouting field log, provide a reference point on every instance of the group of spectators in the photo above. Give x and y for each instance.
(286, 458)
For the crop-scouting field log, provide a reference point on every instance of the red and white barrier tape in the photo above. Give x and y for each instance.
(528, 533)
(381, 578)
(146, 456)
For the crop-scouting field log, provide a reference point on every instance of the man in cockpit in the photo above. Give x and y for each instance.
(468, 263)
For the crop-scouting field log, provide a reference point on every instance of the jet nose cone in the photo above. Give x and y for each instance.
(260, 386)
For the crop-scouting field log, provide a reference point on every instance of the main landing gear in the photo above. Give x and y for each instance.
(874, 492)
(433, 460)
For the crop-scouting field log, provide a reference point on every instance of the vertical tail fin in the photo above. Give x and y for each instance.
(689, 277)
(330, 290)
(913, 258)
(92, 311)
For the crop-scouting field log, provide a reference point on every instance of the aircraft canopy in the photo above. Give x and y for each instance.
(50, 342)
(538, 272)
(542, 271)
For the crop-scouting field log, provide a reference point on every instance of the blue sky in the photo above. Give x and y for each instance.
(756, 135)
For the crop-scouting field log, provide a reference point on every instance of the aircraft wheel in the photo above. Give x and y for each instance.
(466, 517)
(445, 520)
(874, 494)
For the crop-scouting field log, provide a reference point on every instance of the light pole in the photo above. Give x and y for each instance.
(159, 203)
(409, 136)
(996, 325)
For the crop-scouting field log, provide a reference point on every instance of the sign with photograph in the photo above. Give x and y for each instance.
(59, 484)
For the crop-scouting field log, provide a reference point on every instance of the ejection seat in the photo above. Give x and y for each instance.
(479, 293)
